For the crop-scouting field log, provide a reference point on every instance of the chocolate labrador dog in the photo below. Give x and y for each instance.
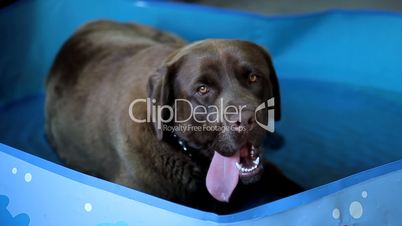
(140, 107)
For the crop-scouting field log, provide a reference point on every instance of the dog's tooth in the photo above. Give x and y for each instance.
(256, 161)
(253, 152)
(239, 166)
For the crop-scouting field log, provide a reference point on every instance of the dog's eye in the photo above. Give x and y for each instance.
(252, 78)
(202, 90)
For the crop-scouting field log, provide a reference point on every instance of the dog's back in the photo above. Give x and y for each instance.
(87, 72)
(100, 39)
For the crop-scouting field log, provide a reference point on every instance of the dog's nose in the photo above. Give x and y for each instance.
(243, 122)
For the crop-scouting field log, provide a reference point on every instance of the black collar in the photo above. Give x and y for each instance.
(193, 153)
(173, 139)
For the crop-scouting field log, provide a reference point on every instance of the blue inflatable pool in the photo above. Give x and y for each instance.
(341, 82)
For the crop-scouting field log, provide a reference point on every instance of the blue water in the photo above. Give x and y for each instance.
(331, 130)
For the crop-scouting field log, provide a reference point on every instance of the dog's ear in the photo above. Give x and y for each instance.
(273, 78)
(160, 89)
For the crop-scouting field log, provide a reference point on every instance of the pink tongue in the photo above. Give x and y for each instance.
(222, 176)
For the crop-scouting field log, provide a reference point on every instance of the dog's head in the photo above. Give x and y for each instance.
(215, 88)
